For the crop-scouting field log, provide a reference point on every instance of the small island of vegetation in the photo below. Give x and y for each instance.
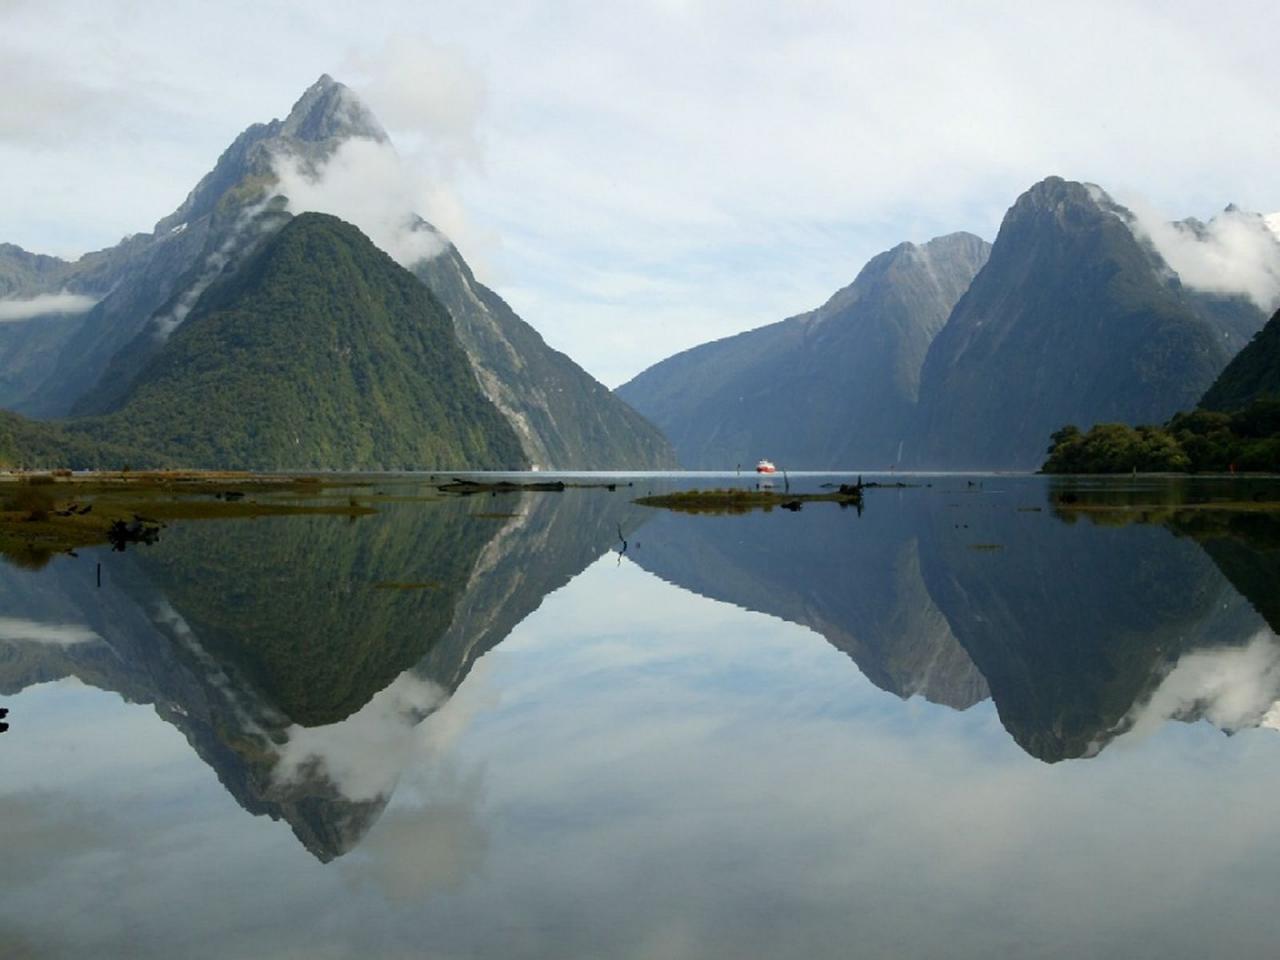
(738, 500)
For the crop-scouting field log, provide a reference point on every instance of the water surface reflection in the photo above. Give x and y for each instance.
(494, 736)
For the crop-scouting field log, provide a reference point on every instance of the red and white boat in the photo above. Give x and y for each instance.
(766, 466)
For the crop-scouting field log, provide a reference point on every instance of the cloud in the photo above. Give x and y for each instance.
(417, 851)
(427, 91)
(58, 105)
(53, 634)
(363, 754)
(431, 98)
(1234, 253)
(46, 304)
(1231, 687)
(434, 99)
(364, 182)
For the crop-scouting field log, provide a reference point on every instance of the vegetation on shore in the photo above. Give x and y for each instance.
(1112, 503)
(1235, 427)
(45, 514)
(44, 445)
(1200, 441)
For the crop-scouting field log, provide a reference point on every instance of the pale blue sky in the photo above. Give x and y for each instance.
(639, 178)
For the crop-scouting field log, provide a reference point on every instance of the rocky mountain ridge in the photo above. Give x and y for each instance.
(86, 365)
(832, 388)
(1076, 314)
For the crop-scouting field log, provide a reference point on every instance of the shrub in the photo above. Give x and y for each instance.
(33, 500)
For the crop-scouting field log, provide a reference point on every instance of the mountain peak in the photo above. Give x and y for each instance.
(1059, 204)
(327, 113)
(926, 257)
(1054, 191)
(329, 109)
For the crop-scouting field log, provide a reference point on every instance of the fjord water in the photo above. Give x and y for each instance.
(970, 720)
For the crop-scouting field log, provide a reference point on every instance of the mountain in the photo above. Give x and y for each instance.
(319, 352)
(86, 365)
(1253, 374)
(564, 417)
(1051, 621)
(855, 580)
(43, 301)
(832, 388)
(215, 229)
(50, 366)
(306, 711)
(244, 682)
(1074, 319)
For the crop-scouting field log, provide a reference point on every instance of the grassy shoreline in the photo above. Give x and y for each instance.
(46, 514)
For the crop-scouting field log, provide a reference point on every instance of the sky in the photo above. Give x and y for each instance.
(636, 179)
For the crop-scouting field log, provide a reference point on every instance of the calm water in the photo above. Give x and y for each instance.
(969, 722)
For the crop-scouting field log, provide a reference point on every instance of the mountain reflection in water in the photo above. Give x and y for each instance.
(300, 656)
(297, 654)
(1069, 627)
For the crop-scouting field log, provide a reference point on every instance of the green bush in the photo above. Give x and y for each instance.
(32, 499)
(1202, 440)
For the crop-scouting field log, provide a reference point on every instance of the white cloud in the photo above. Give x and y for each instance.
(364, 182)
(1273, 223)
(432, 95)
(54, 634)
(363, 754)
(15, 310)
(1234, 253)
(1231, 687)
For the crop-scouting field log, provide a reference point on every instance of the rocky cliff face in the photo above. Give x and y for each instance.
(1072, 320)
(564, 417)
(832, 388)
